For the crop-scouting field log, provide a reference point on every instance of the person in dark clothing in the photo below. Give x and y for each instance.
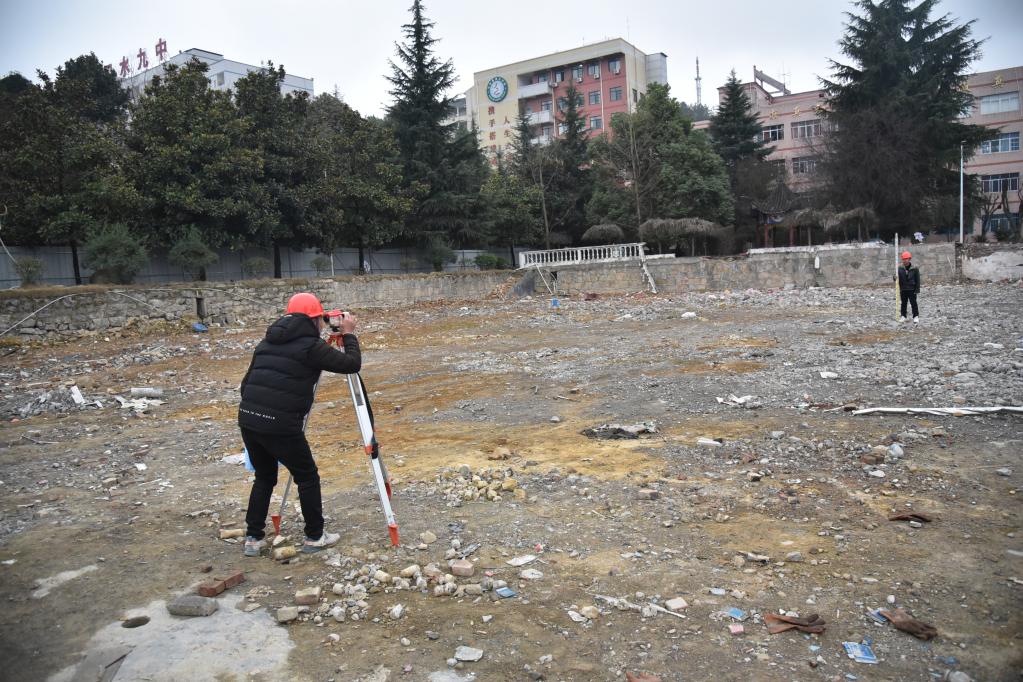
(909, 286)
(276, 397)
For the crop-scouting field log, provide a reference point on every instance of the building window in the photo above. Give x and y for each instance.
(1000, 103)
(773, 133)
(545, 132)
(594, 70)
(596, 123)
(577, 73)
(541, 78)
(220, 78)
(562, 103)
(562, 128)
(559, 75)
(1002, 221)
(1006, 142)
(595, 97)
(635, 95)
(615, 93)
(806, 128)
(579, 100)
(1000, 182)
(803, 165)
(614, 65)
(546, 105)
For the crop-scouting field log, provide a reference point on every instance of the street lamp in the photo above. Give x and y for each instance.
(960, 192)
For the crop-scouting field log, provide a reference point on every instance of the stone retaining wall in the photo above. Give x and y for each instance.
(992, 262)
(811, 266)
(98, 308)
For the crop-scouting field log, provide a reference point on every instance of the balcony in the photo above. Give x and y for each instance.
(538, 117)
(541, 141)
(535, 89)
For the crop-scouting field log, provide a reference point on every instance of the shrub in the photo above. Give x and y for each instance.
(255, 267)
(115, 254)
(439, 253)
(30, 270)
(191, 254)
(322, 265)
(607, 233)
(488, 261)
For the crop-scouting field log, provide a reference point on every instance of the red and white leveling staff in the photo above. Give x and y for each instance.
(364, 414)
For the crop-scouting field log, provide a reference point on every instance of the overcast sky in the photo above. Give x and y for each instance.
(347, 43)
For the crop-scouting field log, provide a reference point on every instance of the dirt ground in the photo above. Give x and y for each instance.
(779, 514)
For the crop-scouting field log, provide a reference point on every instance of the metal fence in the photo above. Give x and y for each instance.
(58, 267)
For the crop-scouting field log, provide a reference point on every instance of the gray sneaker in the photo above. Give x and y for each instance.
(253, 546)
(315, 545)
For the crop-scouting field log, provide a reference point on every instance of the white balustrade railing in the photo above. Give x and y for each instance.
(582, 254)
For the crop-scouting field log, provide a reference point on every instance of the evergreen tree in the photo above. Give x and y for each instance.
(697, 112)
(191, 163)
(274, 130)
(735, 129)
(572, 181)
(61, 154)
(443, 168)
(894, 137)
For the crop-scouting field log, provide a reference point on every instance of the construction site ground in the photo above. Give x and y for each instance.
(108, 512)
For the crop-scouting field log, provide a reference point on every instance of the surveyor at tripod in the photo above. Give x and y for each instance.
(909, 286)
(277, 395)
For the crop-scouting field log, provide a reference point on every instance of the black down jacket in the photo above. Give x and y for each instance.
(277, 391)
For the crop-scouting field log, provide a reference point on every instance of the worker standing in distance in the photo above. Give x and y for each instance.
(909, 286)
(276, 397)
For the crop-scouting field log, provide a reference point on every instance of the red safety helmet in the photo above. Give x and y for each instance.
(306, 304)
(906, 255)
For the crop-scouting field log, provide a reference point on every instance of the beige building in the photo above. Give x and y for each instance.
(792, 127)
(609, 77)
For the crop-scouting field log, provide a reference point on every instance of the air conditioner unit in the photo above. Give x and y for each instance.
(596, 75)
(579, 79)
(616, 71)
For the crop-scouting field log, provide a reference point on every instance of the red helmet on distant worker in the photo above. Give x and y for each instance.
(306, 304)
(906, 255)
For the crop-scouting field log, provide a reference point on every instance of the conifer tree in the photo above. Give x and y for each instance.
(735, 129)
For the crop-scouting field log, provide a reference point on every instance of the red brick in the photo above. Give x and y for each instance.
(233, 579)
(211, 588)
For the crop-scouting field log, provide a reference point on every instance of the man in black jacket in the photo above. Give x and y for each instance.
(277, 395)
(909, 286)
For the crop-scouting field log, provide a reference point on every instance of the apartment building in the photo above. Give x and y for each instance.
(222, 73)
(791, 127)
(609, 77)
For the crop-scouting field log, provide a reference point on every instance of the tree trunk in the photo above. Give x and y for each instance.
(511, 252)
(362, 259)
(202, 273)
(277, 261)
(74, 262)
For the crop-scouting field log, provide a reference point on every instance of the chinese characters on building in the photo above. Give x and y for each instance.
(142, 59)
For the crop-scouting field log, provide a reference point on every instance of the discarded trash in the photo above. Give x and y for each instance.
(828, 375)
(739, 401)
(736, 628)
(718, 591)
(577, 617)
(861, 653)
(777, 623)
(199, 328)
(875, 615)
(911, 516)
(138, 404)
(736, 614)
(521, 560)
(940, 411)
(505, 592)
(146, 392)
(233, 459)
(613, 431)
(709, 441)
(641, 677)
(76, 395)
(688, 315)
(907, 623)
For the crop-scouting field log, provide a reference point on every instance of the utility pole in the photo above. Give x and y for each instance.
(699, 83)
(960, 192)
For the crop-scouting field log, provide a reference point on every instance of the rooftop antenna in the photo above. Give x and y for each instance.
(699, 82)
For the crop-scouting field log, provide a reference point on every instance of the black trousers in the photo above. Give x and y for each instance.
(265, 451)
(909, 296)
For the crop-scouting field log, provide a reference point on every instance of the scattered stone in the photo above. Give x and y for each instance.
(308, 596)
(286, 614)
(428, 537)
(591, 612)
(794, 557)
(676, 604)
(396, 612)
(192, 605)
(531, 574)
(648, 494)
(285, 553)
(555, 419)
(462, 568)
(226, 533)
(468, 653)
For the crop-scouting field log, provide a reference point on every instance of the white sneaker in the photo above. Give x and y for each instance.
(902, 319)
(326, 540)
(253, 546)
(916, 320)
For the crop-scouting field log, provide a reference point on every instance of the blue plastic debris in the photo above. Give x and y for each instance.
(875, 615)
(861, 653)
(736, 614)
(555, 303)
(199, 328)
(505, 592)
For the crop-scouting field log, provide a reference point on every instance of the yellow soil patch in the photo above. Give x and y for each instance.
(734, 341)
(716, 367)
(862, 339)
